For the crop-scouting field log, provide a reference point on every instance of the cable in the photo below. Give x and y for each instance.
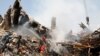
(85, 7)
(86, 12)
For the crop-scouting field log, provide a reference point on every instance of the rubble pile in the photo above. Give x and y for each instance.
(89, 46)
(14, 44)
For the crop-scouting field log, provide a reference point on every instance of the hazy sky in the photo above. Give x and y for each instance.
(69, 13)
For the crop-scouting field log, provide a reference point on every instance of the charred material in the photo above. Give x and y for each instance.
(13, 44)
(34, 24)
(82, 47)
(16, 12)
(23, 18)
(1, 18)
(6, 24)
(8, 19)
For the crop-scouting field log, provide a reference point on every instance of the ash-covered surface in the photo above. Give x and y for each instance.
(21, 37)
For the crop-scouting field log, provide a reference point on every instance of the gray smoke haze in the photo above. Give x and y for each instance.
(59, 35)
(25, 30)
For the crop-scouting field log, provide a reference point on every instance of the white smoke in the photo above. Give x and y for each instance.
(68, 37)
(57, 36)
(69, 13)
(25, 30)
